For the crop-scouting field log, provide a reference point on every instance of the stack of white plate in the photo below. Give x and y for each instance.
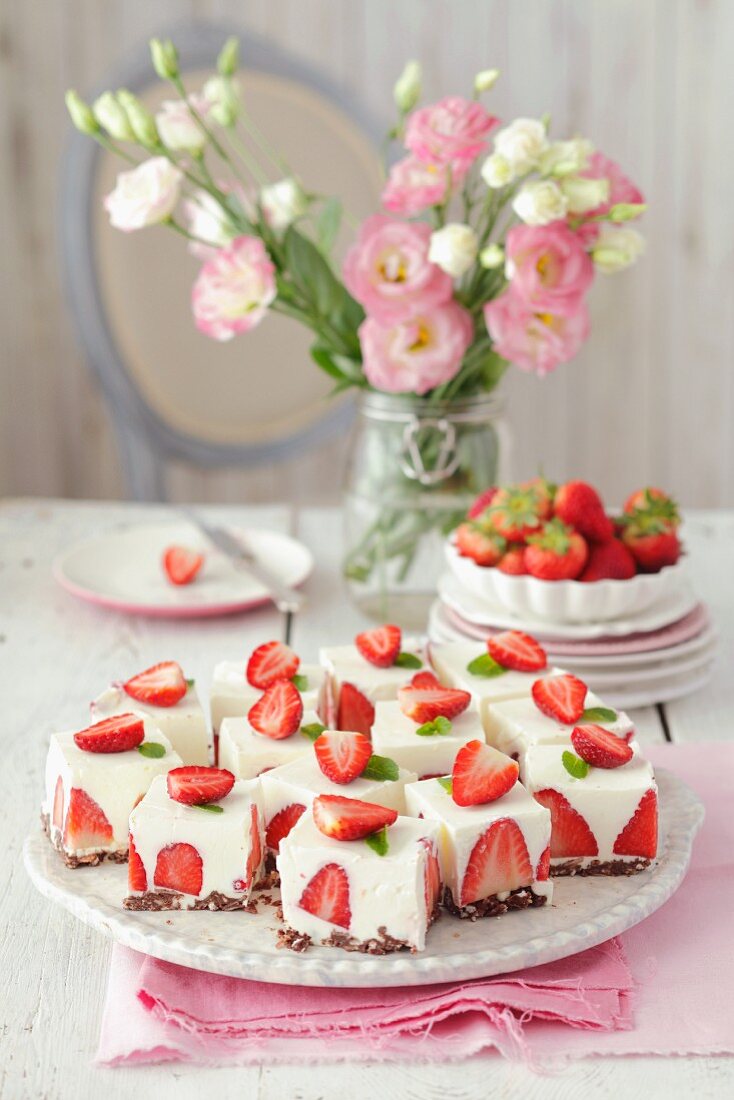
(633, 652)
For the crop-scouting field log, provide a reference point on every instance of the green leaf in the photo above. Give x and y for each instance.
(323, 358)
(484, 665)
(439, 726)
(599, 714)
(574, 765)
(210, 807)
(152, 749)
(310, 271)
(190, 684)
(408, 660)
(300, 682)
(446, 782)
(312, 730)
(378, 841)
(327, 224)
(380, 767)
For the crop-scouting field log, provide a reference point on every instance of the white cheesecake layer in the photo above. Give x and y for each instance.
(247, 753)
(462, 826)
(184, 724)
(231, 696)
(344, 664)
(384, 891)
(395, 735)
(515, 725)
(114, 780)
(223, 840)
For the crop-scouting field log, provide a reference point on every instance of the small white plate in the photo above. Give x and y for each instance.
(646, 675)
(122, 568)
(585, 912)
(661, 691)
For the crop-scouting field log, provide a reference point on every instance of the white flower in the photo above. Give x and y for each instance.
(497, 171)
(178, 127)
(584, 194)
(522, 143)
(539, 202)
(112, 115)
(223, 96)
(282, 203)
(209, 223)
(566, 158)
(453, 248)
(615, 248)
(144, 196)
(492, 256)
(407, 90)
(486, 79)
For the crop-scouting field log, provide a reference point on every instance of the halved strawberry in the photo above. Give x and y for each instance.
(117, 734)
(195, 785)
(163, 685)
(281, 824)
(600, 748)
(515, 650)
(349, 818)
(640, 835)
(327, 896)
(137, 880)
(482, 502)
(423, 704)
(482, 774)
(278, 711)
(426, 679)
(380, 646)
(57, 817)
(342, 756)
(179, 867)
(498, 863)
(560, 697)
(570, 834)
(355, 711)
(86, 824)
(255, 857)
(270, 662)
(542, 871)
(181, 564)
(432, 877)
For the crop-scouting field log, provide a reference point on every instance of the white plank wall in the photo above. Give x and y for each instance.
(651, 398)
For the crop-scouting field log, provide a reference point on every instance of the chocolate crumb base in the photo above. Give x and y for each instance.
(160, 901)
(599, 867)
(524, 898)
(269, 877)
(382, 944)
(294, 941)
(72, 861)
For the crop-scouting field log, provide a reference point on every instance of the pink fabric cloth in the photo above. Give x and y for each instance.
(665, 987)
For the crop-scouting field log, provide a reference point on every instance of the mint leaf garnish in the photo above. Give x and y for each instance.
(484, 665)
(312, 730)
(574, 765)
(300, 683)
(152, 749)
(408, 660)
(378, 841)
(438, 726)
(190, 684)
(210, 807)
(446, 782)
(599, 714)
(380, 767)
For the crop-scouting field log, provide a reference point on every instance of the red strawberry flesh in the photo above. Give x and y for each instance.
(571, 836)
(426, 704)
(181, 564)
(270, 662)
(120, 733)
(380, 646)
(327, 896)
(599, 747)
(349, 818)
(482, 774)
(517, 651)
(355, 711)
(179, 867)
(278, 712)
(342, 756)
(163, 685)
(560, 697)
(499, 863)
(194, 785)
(281, 824)
(640, 835)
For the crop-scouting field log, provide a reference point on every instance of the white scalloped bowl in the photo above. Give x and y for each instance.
(567, 601)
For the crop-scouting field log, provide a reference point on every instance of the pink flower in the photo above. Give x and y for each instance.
(621, 189)
(233, 289)
(534, 341)
(453, 131)
(389, 272)
(416, 355)
(413, 185)
(548, 266)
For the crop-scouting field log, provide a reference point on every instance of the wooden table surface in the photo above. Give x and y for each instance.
(56, 653)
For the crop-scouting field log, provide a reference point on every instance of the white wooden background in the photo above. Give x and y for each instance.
(652, 396)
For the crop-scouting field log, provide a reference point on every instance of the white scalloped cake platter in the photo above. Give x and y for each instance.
(585, 912)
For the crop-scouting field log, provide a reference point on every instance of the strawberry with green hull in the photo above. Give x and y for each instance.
(519, 511)
(652, 541)
(653, 502)
(556, 552)
(483, 546)
(512, 562)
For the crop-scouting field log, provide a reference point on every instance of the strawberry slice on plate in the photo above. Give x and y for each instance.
(117, 734)
(380, 646)
(342, 757)
(179, 867)
(254, 859)
(355, 712)
(86, 823)
(426, 679)
(181, 565)
(570, 833)
(560, 697)
(517, 651)
(482, 774)
(137, 881)
(640, 835)
(349, 818)
(163, 685)
(327, 896)
(195, 785)
(270, 662)
(281, 824)
(424, 704)
(278, 711)
(432, 878)
(600, 748)
(499, 862)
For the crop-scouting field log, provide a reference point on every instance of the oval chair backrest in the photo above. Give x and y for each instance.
(173, 392)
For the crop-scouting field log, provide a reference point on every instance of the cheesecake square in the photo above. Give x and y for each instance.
(427, 754)
(605, 823)
(231, 695)
(494, 857)
(344, 664)
(89, 795)
(247, 753)
(344, 894)
(184, 723)
(513, 726)
(195, 857)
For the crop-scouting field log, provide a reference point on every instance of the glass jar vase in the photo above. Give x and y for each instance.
(414, 467)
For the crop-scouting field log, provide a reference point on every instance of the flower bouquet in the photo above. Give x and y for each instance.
(488, 243)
